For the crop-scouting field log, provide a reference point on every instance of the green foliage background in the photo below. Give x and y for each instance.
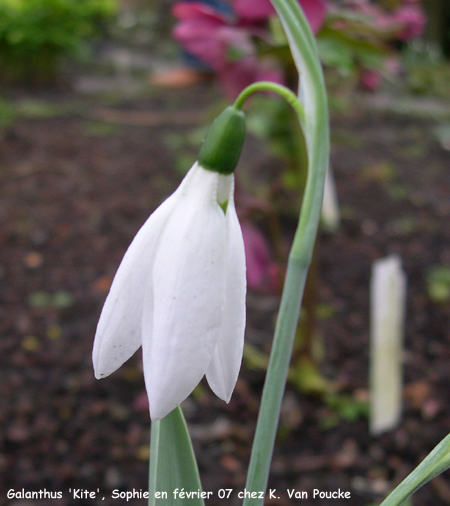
(34, 34)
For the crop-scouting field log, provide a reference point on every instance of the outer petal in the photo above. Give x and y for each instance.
(118, 333)
(186, 294)
(224, 368)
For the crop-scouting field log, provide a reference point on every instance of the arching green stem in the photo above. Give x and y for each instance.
(286, 93)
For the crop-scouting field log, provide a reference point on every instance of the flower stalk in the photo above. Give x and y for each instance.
(313, 95)
(282, 91)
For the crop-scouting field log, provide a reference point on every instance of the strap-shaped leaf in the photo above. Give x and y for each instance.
(434, 464)
(173, 468)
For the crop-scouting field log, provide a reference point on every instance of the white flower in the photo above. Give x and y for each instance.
(180, 293)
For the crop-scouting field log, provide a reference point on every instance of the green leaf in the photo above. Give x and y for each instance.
(57, 300)
(62, 300)
(436, 463)
(39, 299)
(438, 283)
(254, 358)
(360, 46)
(172, 464)
(336, 54)
(307, 377)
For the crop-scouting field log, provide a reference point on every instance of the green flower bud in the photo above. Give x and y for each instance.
(223, 142)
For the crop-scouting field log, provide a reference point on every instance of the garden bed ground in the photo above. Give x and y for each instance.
(78, 176)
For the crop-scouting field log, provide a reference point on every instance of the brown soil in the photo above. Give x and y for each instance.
(74, 190)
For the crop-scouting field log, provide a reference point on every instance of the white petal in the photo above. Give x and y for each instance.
(118, 333)
(187, 294)
(224, 368)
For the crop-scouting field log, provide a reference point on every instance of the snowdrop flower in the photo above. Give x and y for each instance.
(180, 289)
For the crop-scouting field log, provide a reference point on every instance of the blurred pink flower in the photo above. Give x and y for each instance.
(262, 271)
(412, 20)
(237, 75)
(257, 10)
(206, 33)
(405, 22)
(140, 402)
(226, 47)
(370, 79)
